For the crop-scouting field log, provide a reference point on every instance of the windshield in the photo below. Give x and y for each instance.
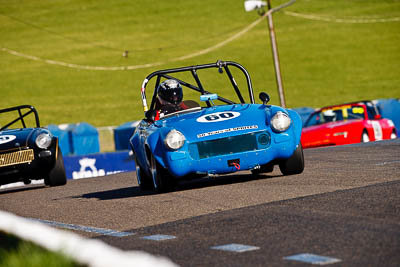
(167, 115)
(334, 114)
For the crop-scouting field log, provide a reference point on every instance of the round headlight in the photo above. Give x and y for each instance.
(43, 140)
(280, 122)
(174, 140)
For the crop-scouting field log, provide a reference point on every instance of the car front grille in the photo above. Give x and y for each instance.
(230, 145)
(18, 157)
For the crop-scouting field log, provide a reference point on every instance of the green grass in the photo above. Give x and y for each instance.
(19, 253)
(322, 62)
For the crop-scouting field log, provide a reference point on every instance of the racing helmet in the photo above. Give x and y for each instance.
(329, 115)
(170, 92)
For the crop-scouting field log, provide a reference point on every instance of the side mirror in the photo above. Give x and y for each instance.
(264, 97)
(208, 97)
(378, 117)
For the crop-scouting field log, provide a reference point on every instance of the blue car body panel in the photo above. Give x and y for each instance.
(215, 136)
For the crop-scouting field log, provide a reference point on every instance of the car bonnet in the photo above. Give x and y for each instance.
(10, 139)
(219, 121)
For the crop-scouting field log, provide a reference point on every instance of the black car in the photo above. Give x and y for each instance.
(28, 153)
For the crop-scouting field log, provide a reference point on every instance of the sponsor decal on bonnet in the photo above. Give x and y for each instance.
(219, 116)
(228, 130)
(6, 138)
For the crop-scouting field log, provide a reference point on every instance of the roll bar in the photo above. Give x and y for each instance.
(220, 65)
(21, 115)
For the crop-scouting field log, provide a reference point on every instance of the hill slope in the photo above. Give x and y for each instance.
(64, 56)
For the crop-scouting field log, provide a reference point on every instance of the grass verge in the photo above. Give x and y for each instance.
(19, 253)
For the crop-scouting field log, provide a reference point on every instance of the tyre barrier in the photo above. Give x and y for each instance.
(304, 113)
(390, 109)
(122, 134)
(76, 139)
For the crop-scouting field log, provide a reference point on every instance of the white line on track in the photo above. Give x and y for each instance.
(387, 162)
(89, 252)
(20, 184)
(235, 248)
(88, 229)
(158, 237)
(312, 259)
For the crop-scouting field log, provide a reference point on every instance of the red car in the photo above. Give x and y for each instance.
(346, 124)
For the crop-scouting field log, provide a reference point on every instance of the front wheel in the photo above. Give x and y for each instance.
(162, 180)
(57, 175)
(365, 137)
(294, 164)
(144, 181)
(393, 135)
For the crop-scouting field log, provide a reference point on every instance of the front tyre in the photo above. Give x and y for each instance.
(144, 181)
(393, 135)
(294, 164)
(57, 175)
(162, 180)
(365, 137)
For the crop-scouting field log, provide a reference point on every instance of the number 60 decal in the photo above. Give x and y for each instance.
(218, 116)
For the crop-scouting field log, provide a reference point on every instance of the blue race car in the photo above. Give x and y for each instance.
(28, 153)
(218, 136)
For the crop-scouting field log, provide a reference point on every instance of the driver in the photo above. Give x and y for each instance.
(169, 98)
(329, 115)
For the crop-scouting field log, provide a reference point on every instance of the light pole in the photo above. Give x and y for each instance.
(250, 5)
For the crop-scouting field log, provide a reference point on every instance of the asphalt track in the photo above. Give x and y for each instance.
(344, 206)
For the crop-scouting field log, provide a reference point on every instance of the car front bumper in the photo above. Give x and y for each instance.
(25, 164)
(191, 161)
